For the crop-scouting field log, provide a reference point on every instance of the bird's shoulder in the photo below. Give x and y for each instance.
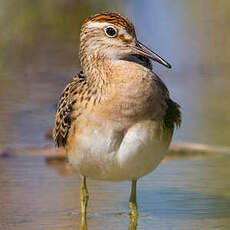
(70, 101)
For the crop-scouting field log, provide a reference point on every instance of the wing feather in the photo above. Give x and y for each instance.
(64, 114)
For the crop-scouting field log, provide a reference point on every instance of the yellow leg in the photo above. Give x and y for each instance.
(84, 196)
(132, 200)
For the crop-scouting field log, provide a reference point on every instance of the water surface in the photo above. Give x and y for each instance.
(180, 194)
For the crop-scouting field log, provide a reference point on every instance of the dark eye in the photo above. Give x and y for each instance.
(110, 32)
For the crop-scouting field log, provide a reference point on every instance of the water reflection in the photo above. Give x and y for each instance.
(83, 223)
(132, 223)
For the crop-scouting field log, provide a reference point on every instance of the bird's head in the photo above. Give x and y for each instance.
(112, 36)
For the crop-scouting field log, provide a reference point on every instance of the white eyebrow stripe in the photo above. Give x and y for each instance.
(98, 24)
(102, 25)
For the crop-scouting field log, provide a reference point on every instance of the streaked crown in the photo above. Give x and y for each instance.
(115, 19)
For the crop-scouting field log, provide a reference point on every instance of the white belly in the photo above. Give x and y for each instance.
(107, 154)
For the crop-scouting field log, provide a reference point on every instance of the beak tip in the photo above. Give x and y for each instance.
(142, 50)
(169, 66)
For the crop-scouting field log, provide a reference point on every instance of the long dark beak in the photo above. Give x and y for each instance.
(140, 49)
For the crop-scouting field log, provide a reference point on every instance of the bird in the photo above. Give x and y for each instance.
(115, 119)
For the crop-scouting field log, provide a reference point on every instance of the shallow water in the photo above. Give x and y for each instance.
(38, 56)
(180, 194)
(191, 35)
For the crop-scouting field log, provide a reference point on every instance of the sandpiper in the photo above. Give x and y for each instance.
(115, 119)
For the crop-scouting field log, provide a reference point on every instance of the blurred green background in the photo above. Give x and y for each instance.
(39, 43)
